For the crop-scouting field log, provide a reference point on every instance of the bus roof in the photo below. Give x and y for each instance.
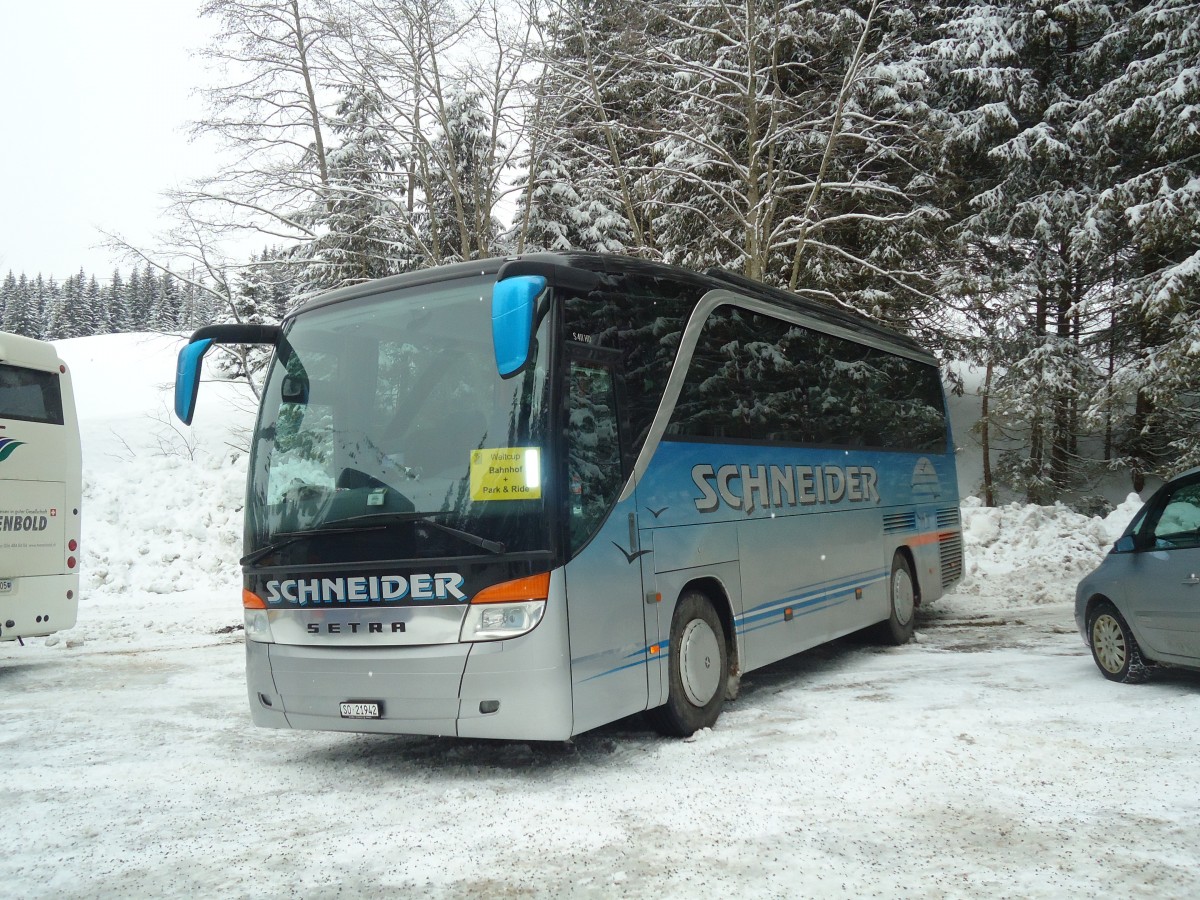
(15, 348)
(601, 263)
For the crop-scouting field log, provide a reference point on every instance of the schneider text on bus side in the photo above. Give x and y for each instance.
(765, 487)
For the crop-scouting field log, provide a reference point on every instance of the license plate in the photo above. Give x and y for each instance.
(6, 585)
(356, 709)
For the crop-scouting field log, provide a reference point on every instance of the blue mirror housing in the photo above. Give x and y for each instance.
(187, 378)
(187, 369)
(513, 303)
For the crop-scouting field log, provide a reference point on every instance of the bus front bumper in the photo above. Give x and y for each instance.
(516, 689)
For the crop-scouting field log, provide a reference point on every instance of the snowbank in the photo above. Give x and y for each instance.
(162, 504)
(1022, 555)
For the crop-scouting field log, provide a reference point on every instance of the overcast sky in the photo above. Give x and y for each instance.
(96, 101)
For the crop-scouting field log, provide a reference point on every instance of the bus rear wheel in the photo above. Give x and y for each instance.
(698, 668)
(902, 596)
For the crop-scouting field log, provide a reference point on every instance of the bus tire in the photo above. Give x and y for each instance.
(902, 603)
(697, 666)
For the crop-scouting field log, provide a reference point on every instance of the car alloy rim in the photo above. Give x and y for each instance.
(1108, 640)
(903, 600)
(699, 662)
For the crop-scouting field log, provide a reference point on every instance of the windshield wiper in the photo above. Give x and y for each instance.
(372, 522)
(291, 537)
(426, 518)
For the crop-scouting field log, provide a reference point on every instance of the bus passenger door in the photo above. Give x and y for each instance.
(603, 578)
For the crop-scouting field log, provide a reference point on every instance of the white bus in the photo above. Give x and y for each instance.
(41, 484)
(523, 498)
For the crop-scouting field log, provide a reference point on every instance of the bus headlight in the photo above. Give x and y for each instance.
(496, 621)
(506, 610)
(258, 626)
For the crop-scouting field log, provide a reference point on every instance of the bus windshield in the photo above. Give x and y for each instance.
(386, 433)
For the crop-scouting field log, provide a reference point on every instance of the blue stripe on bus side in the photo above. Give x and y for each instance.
(809, 597)
(640, 658)
(808, 601)
(775, 619)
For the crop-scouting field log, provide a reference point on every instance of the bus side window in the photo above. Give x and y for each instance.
(30, 395)
(593, 449)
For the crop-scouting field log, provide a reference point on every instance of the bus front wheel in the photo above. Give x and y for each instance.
(698, 667)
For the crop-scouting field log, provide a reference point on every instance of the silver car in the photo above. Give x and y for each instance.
(1141, 606)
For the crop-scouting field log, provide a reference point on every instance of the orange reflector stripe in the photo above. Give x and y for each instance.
(922, 540)
(654, 649)
(251, 600)
(533, 587)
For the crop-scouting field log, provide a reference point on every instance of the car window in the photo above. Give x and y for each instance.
(1178, 524)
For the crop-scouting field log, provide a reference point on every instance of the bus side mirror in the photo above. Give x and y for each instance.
(187, 369)
(187, 379)
(513, 303)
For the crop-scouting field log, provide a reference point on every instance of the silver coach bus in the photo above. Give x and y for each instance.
(522, 498)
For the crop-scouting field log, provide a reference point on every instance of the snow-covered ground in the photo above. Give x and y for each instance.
(987, 758)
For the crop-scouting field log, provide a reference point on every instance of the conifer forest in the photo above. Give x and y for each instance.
(1015, 183)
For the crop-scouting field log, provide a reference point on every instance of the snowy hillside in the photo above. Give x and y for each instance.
(986, 758)
(162, 502)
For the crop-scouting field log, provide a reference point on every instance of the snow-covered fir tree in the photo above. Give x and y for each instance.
(114, 303)
(8, 288)
(1147, 110)
(20, 311)
(362, 232)
(586, 162)
(1015, 80)
(461, 183)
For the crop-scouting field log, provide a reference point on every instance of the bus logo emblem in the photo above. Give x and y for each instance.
(7, 446)
(926, 485)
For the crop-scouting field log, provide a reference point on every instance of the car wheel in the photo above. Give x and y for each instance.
(1114, 648)
(902, 596)
(698, 668)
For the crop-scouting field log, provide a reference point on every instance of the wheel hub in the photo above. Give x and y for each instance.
(699, 662)
(903, 597)
(1108, 641)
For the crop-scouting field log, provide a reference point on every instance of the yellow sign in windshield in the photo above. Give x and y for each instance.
(506, 473)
